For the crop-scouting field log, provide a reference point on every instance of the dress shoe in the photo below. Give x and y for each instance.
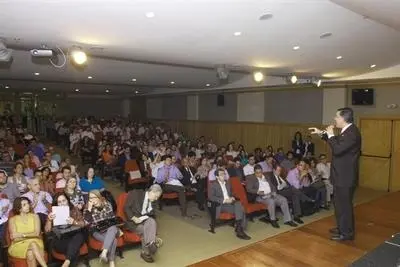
(298, 220)
(265, 219)
(275, 224)
(291, 223)
(200, 207)
(342, 238)
(146, 257)
(242, 235)
(334, 231)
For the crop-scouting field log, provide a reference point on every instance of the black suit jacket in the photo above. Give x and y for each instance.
(310, 148)
(186, 175)
(133, 207)
(346, 150)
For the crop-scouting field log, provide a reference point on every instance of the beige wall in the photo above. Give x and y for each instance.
(250, 107)
(385, 94)
(333, 99)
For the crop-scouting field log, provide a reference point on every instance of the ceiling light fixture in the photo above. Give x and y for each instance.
(258, 76)
(172, 82)
(372, 66)
(79, 57)
(90, 77)
(136, 92)
(76, 90)
(6, 86)
(107, 91)
(44, 88)
(237, 33)
(36, 73)
(293, 79)
(317, 82)
(208, 85)
(325, 35)
(133, 80)
(150, 15)
(266, 16)
(296, 47)
(339, 57)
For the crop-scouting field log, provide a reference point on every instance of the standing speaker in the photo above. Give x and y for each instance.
(220, 100)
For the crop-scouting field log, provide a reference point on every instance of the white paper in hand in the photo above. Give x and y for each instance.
(62, 214)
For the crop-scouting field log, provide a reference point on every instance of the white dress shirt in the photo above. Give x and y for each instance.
(248, 169)
(324, 170)
(280, 182)
(263, 186)
(342, 131)
(224, 190)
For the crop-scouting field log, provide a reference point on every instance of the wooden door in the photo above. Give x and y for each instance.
(395, 160)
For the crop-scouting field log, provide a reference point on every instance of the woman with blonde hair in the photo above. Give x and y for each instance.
(99, 209)
(24, 228)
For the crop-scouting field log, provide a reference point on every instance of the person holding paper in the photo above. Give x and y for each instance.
(69, 245)
(24, 227)
(139, 213)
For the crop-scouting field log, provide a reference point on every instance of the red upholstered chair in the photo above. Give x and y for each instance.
(83, 251)
(240, 192)
(13, 261)
(132, 166)
(129, 237)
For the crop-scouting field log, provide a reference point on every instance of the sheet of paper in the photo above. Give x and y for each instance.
(62, 214)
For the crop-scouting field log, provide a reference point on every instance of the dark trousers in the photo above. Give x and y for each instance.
(70, 247)
(181, 194)
(294, 196)
(343, 201)
(200, 187)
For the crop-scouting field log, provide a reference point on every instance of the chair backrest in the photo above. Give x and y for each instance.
(238, 190)
(131, 165)
(121, 204)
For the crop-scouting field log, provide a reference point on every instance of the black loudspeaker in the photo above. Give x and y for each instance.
(220, 100)
(362, 97)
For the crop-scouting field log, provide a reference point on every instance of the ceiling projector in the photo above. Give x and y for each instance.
(5, 54)
(41, 52)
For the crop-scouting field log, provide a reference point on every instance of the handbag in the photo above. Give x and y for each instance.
(65, 231)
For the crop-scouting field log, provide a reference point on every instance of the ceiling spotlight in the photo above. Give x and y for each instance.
(36, 74)
(172, 82)
(150, 15)
(136, 92)
(90, 77)
(258, 76)
(296, 47)
(44, 88)
(107, 91)
(237, 33)
(6, 86)
(372, 66)
(325, 35)
(339, 57)
(133, 80)
(76, 90)
(293, 79)
(79, 57)
(208, 85)
(317, 82)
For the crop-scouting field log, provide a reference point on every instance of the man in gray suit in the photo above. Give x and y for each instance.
(220, 191)
(265, 192)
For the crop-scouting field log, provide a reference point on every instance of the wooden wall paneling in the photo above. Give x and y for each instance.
(377, 137)
(395, 160)
(374, 173)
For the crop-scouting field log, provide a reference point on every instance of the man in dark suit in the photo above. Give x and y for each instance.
(346, 150)
(262, 190)
(192, 182)
(140, 219)
(220, 192)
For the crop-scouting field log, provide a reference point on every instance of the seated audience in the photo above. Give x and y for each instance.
(267, 165)
(47, 183)
(192, 180)
(68, 245)
(66, 174)
(74, 195)
(140, 218)
(220, 165)
(91, 182)
(220, 192)
(40, 200)
(249, 168)
(19, 178)
(289, 162)
(236, 170)
(9, 190)
(98, 209)
(324, 169)
(24, 227)
(263, 191)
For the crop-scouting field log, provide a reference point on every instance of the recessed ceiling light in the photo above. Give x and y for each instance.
(296, 47)
(325, 35)
(266, 16)
(107, 91)
(237, 33)
(339, 57)
(36, 73)
(6, 86)
(136, 92)
(258, 76)
(172, 82)
(133, 80)
(44, 88)
(373, 66)
(90, 77)
(76, 90)
(208, 85)
(293, 79)
(150, 14)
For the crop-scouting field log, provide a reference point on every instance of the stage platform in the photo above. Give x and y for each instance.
(376, 222)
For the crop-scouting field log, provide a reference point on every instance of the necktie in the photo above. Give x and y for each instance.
(167, 175)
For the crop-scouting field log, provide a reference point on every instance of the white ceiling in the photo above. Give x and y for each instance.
(199, 34)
